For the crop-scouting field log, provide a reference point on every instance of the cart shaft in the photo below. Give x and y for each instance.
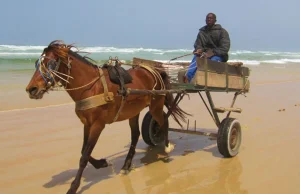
(194, 132)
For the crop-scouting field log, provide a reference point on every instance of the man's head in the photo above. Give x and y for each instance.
(211, 19)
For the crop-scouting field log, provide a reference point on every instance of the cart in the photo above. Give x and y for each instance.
(210, 77)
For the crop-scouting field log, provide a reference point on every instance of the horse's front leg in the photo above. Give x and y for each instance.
(102, 163)
(135, 134)
(94, 133)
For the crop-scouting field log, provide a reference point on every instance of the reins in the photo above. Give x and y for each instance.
(77, 88)
(181, 56)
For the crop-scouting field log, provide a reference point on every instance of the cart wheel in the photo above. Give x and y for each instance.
(229, 137)
(151, 132)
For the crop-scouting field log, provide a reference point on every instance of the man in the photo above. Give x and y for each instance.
(212, 42)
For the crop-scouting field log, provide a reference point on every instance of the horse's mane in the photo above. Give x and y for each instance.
(62, 50)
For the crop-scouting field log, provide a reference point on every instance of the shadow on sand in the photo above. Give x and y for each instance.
(145, 155)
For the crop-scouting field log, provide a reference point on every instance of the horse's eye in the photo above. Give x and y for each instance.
(51, 64)
(36, 63)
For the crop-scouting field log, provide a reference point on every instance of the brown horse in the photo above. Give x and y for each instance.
(60, 65)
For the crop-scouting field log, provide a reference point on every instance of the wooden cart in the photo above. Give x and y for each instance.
(210, 77)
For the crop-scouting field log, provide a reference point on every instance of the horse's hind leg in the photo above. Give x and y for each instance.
(156, 110)
(102, 163)
(135, 134)
(93, 136)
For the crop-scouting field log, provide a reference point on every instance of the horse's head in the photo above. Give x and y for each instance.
(51, 69)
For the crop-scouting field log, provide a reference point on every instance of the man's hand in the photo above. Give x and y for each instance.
(185, 80)
(209, 53)
(198, 52)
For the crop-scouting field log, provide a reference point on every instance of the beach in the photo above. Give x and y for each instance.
(241, 133)
(41, 142)
(41, 139)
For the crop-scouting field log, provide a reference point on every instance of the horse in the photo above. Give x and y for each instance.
(61, 65)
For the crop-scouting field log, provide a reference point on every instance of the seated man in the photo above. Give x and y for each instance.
(212, 42)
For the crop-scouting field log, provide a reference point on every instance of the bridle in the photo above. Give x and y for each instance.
(50, 70)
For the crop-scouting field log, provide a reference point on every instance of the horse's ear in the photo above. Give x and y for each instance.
(57, 42)
(72, 45)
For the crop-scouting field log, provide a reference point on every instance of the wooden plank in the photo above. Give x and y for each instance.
(185, 86)
(220, 67)
(213, 79)
(139, 61)
(222, 110)
(218, 80)
(236, 63)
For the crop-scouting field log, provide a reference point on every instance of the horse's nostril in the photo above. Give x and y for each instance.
(33, 90)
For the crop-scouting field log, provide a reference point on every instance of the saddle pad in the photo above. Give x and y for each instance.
(118, 73)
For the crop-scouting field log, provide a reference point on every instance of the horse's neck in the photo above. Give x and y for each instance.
(83, 75)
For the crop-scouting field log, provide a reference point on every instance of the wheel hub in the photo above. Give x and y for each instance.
(233, 138)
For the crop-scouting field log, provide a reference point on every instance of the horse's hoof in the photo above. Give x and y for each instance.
(124, 172)
(169, 148)
(102, 163)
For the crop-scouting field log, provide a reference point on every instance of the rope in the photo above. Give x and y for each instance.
(156, 76)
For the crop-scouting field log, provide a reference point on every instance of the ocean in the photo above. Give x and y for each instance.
(17, 67)
(22, 58)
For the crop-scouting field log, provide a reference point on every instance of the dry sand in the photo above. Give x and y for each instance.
(40, 148)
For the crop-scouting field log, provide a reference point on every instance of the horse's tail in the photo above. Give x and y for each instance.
(177, 113)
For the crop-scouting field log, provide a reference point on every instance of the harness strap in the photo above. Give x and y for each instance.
(120, 108)
(93, 101)
(97, 100)
(69, 70)
(103, 80)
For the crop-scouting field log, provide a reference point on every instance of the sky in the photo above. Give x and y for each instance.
(252, 24)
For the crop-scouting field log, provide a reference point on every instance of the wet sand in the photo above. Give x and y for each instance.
(40, 147)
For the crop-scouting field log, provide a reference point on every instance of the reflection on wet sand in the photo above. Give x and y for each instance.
(184, 170)
(223, 178)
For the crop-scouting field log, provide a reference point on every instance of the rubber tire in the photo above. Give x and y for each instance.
(223, 140)
(148, 126)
